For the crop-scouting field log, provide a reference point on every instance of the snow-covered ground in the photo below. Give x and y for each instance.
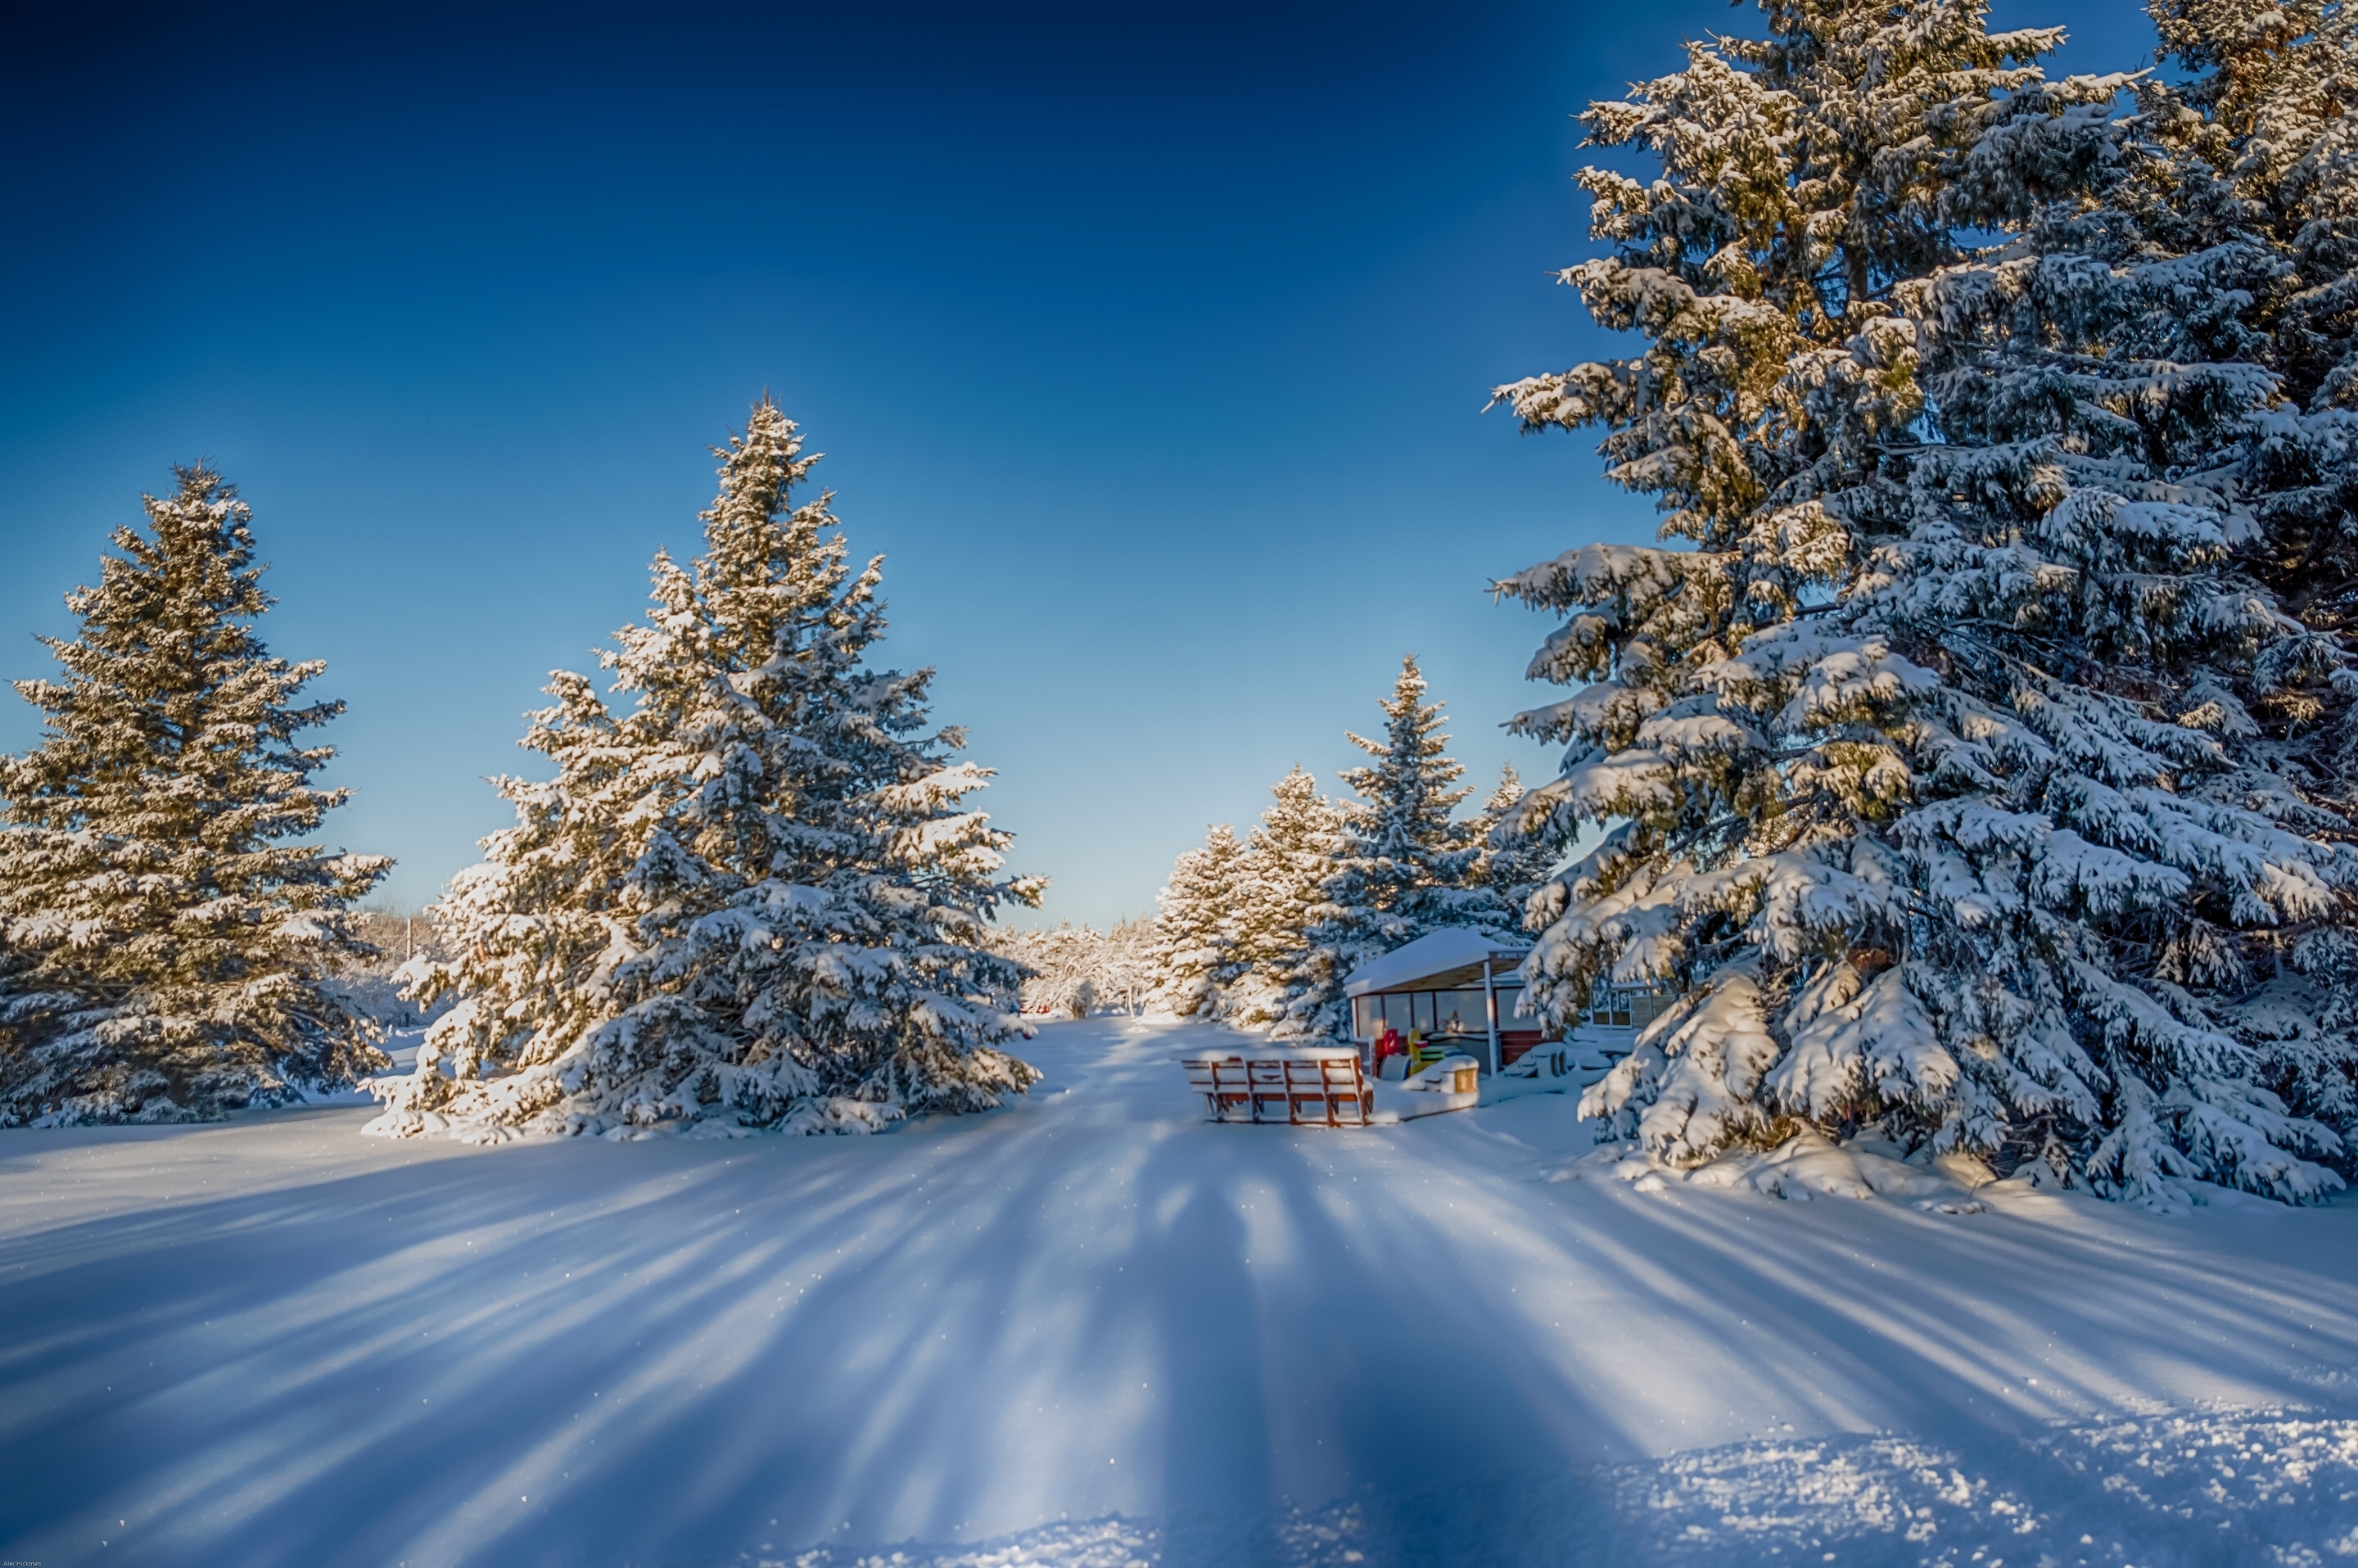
(1094, 1329)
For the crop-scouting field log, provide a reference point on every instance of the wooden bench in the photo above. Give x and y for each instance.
(1307, 1086)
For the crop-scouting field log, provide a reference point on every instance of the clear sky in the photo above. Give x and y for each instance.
(1148, 344)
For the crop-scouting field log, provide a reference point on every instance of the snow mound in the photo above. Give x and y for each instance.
(1807, 1165)
(2274, 1486)
(2218, 1486)
(816, 1115)
(1111, 1542)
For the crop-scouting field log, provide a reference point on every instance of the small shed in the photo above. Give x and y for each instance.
(1458, 986)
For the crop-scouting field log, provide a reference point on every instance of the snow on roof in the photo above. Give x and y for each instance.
(1266, 1052)
(1435, 953)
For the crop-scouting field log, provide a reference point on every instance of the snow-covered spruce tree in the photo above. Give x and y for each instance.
(1913, 768)
(1510, 865)
(1407, 867)
(166, 954)
(1410, 861)
(1290, 859)
(2258, 147)
(1196, 927)
(2114, 357)
(2248, 157)
(754, 899)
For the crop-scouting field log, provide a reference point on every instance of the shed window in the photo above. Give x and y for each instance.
(1460, 1012)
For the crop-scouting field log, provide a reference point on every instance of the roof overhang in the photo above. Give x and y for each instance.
(1436, 961)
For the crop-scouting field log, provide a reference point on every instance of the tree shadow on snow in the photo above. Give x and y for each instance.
(584, 1354)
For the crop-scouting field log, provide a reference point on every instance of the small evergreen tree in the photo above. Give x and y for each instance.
(755, 899)
(1289, 860)
(1410, 863)
(168, 956)
(1510, 865)
(1196, 927)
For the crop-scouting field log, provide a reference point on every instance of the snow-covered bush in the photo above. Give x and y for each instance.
(165, 955)
(377, 985)
(753, 898)
(1077, 970)
(1932, 771)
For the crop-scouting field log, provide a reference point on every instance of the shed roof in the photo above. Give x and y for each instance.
(1435, 956)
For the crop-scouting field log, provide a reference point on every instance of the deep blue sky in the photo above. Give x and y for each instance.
(1148, 344)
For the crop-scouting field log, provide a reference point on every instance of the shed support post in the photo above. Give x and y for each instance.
(1490, 1010)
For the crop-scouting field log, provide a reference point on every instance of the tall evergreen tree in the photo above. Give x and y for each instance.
(1917, 769)
(1289, 860)
(2248, 168)
(754, 899)
(1196, 927)
(1409, 860)
(168, 953)
(2257, 153)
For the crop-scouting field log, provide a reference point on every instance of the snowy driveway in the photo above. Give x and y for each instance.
(277, 1342)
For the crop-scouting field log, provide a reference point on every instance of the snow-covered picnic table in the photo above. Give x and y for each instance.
(1327, 1086)
(1300, 1084)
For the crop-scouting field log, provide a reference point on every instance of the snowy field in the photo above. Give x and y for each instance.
(1093, 1329)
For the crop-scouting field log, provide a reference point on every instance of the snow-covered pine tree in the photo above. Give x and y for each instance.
(1410, 861)
(1406, 866)
(756, 897)
(1194, 927)
(1510, 865)
(2248, 169)
(169, 955)
(1913, 768)
(2258, 147)
(1290, 857)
